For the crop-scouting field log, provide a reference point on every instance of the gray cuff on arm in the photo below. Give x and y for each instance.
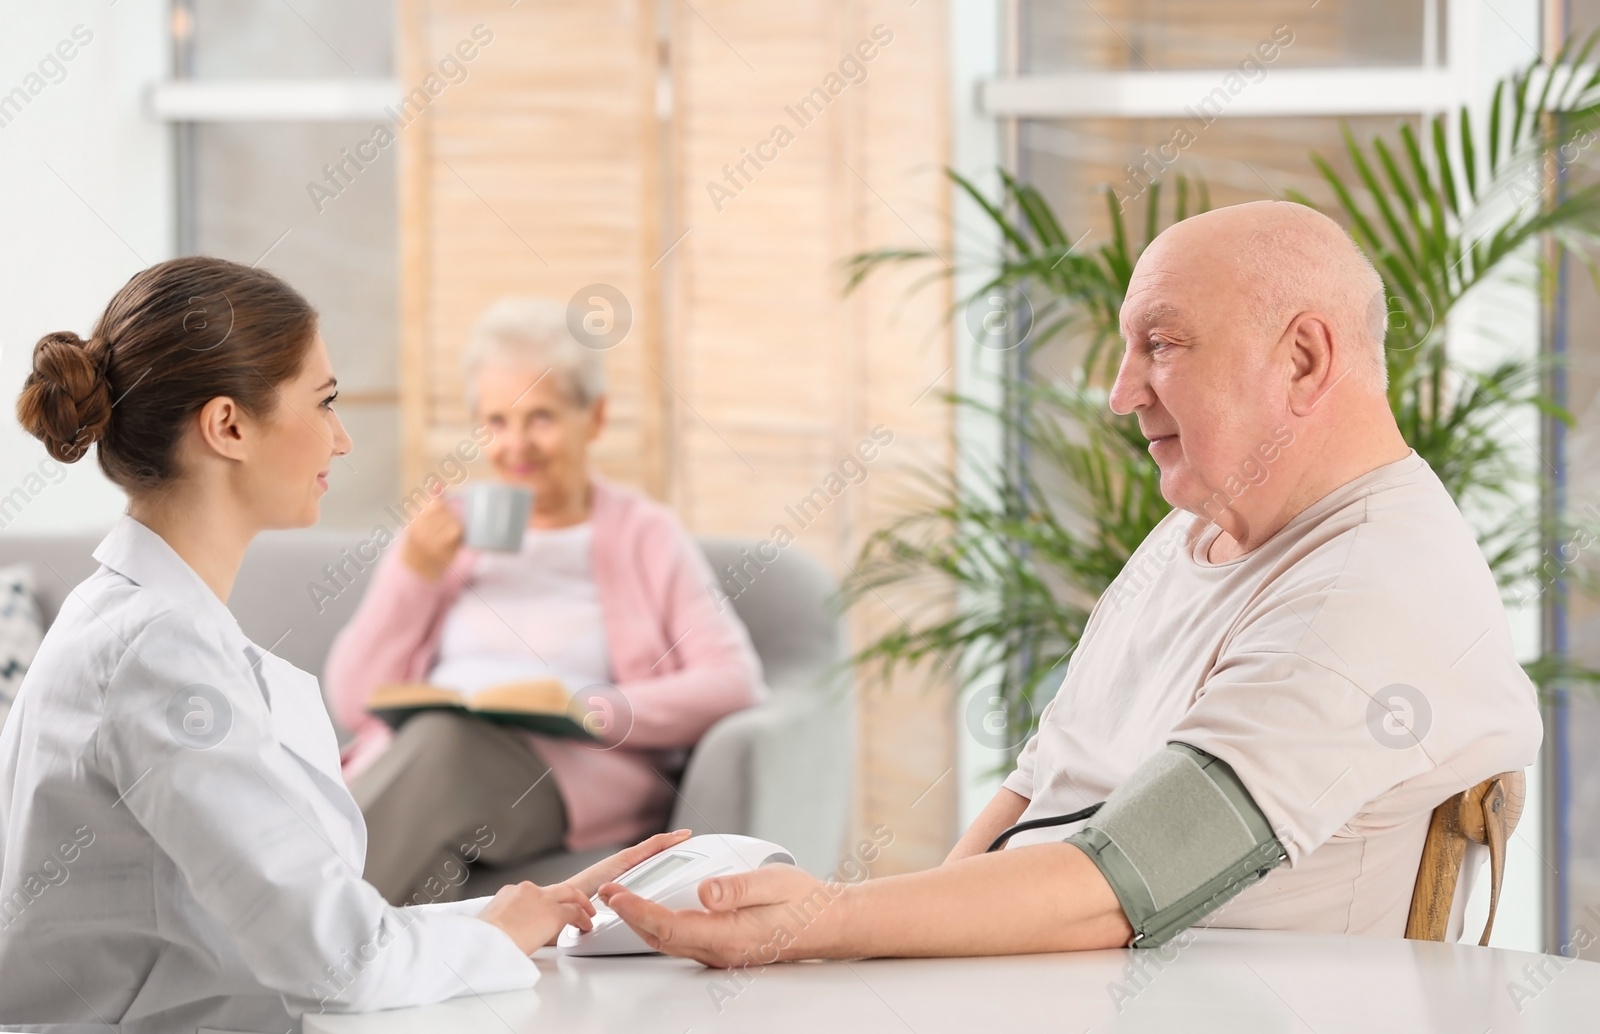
(1178, 840)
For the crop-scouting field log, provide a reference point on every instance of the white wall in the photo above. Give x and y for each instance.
(74, 235)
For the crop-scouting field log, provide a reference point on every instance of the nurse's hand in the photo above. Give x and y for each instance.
(776, 913)
(589, 881)
(532, 915)
(432, 538)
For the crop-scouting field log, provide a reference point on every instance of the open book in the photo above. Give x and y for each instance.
(542, 705)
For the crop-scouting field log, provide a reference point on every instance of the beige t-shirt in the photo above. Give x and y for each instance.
(1355, 670)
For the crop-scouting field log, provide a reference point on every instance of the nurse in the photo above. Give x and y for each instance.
(177, 848)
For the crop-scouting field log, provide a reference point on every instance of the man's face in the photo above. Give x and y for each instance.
(1198, 373)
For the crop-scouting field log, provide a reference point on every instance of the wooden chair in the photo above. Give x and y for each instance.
(1484, 814)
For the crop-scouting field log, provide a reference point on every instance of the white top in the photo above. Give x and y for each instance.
(530, 614)
(1355, 670)
(177, 847)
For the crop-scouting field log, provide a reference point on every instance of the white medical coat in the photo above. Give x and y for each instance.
(178, 851)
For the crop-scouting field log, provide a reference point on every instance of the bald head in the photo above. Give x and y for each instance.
(1281, 259)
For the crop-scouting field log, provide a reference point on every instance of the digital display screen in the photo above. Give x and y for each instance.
(641, 881)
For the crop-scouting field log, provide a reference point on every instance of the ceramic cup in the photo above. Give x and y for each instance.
(493, 515)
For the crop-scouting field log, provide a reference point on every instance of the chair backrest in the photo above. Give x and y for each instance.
(1484, 814)
(787, 605)
(59, 563)
(784, 602)
(272, 597)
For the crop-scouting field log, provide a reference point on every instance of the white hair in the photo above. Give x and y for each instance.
(533, 332)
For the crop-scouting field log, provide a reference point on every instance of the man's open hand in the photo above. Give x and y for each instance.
(776, 913)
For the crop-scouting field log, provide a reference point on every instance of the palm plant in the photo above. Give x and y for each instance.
(1031, 543)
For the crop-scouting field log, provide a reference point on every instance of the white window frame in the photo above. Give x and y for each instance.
(273, 100)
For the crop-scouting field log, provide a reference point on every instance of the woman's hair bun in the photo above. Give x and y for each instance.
(66, 399)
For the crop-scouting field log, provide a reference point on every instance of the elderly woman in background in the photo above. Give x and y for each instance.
(608, 590)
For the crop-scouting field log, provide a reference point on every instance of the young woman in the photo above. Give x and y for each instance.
(177, 846)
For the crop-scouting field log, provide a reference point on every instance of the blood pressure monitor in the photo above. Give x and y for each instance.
(671, 879)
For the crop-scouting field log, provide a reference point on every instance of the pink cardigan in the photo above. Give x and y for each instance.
(678, 663)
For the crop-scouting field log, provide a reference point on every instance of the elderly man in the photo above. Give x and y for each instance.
(1235, 696)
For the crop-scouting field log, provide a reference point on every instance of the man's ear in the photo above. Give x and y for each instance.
(1314, 361)
(221, 427)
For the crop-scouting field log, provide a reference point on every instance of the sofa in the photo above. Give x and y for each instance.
(781, 770)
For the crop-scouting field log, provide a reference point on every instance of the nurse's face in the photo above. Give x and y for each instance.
(289, 468)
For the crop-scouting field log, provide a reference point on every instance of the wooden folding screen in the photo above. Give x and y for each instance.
(717, 163)
(535, 174)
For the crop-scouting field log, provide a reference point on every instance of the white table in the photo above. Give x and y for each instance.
(1225, 981)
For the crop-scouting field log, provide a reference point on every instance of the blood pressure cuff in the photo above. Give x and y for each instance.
(1178, 840)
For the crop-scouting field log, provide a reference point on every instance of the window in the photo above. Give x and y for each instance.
(275, 108)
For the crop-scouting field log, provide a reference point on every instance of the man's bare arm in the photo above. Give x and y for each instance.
(1001, 813)
(1041, 898)
(1047, 897)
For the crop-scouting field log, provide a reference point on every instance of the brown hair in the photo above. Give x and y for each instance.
(176, 336)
